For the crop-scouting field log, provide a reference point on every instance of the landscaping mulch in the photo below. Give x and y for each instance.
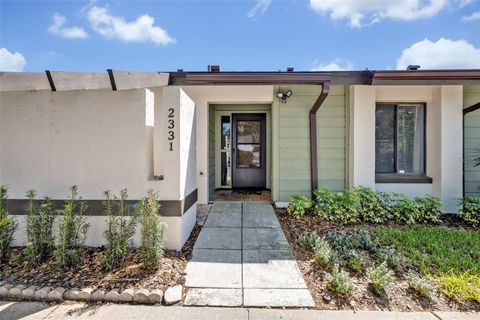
(397, 297)
(90, 273)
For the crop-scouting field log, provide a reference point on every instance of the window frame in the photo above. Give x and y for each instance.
(396, 176)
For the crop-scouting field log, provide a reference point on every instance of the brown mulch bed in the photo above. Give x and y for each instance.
(91, 273)
(398, 296)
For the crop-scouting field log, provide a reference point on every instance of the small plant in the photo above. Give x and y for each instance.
(420, 285)
(120, 229)
(40, 235)
(389, 256)
(372, 205)
(339, 281)
(324, 253)
(380, 276)
(405, 210)
(152, 231)
(355, 260)
(429, 209)
(7, 226)
(462, 286)
(470, 210)
(308, 240)
(298, 205)
(340, 206)
(72, 230)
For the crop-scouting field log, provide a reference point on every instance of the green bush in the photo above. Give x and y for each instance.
(405, 210)
(298, 205)
(470, 211)
(324, 253)
(461, 286)
(340, 206)
(340, 281)
(389, 256)
(308, 240)
(380, 276)
(72, 230)
(429, 209)
(420, 285)
(120, 229)
(7, 226)
(372, 205)
(355, 260)
(152, 231)
(40, 234)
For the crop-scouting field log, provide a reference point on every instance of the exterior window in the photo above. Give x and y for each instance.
(248, 144)
(400, 139)
(225, 158)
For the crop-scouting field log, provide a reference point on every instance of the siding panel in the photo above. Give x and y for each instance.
(471, 141)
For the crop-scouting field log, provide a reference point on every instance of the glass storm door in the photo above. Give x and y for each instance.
(248, 151)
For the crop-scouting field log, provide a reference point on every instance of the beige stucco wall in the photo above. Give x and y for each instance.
(443, 139)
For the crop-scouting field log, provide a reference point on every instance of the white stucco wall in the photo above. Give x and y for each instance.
(443, 139)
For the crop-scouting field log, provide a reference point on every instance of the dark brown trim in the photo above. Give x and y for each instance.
(249, 78)
(313, 135)
(168, 208)
(50, 80)
(112, 79)
(401, 178)
(472, 108)
(473, 74)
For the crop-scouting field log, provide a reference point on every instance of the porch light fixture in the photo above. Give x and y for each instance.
(283, 96)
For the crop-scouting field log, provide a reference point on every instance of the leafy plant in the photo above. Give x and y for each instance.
(429, 209)
(372, 205)
(380, 276)
(470, 211)
(420, 285)
(7, 226)
(355, 260)
(340, 206)
(405, 210)
(40, 235)
(120, 229)
(308, 240)
(152, 231)
(324, 253)
(340, 281)
(462, 286)
(389, 256)
(298, 205)
(72, 230)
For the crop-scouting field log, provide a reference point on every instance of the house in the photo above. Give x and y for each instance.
(185, 134)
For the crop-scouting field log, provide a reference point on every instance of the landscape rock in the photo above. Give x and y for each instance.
(112, 295)
(126, 295)
(5, 289)
(141, 296)
(71, 294)
(42, 294)
(85, 294)
(29, 292)
(155, 296)
(16, 292)
(98, 295)
(173, 295)
(56, 294)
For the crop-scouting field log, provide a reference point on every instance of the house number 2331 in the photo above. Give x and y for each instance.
(171, 126)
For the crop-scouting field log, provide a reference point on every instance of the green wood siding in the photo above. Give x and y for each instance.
(471, 95)
(292, 141)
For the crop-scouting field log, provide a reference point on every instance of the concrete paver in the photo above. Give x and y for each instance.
(260, 220)
(214, 297)
(224, 220)
(264, 239)
(219, 238)
(277, 298)
(226, 207)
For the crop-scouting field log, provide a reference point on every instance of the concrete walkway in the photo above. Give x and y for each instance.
(36, 310)
(242, 258)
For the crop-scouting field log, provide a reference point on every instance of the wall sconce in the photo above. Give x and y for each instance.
(283, 96)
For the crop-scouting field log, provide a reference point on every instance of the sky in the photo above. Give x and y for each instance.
(262, 35)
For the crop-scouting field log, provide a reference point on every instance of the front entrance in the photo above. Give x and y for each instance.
(249, 150)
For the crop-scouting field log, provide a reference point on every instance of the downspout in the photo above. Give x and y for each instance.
(466, 111)
(313, 135)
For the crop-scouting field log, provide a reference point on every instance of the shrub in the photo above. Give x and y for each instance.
(420, 285)
(308, 240)
(120, 229)
(462, 286)
(7, 226)
(323, 252)
(470, 211)
(152, 231)
(389, 256)
(340, 206)
(72, 229)
(429, 209)
(298, 205)
(372, 205)
(405, 210)
(40, 235)
(380, 276)
(355, 260)
(339, 281)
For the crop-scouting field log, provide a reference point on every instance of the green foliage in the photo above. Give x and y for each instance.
(429, 209)
(308, 240)
(390, 256)
(324, 254)
(355, 260)
(340, 281)
(343, 243)
(120, 229)
(434, 249)
(470, 211)
(420, 285)
(7, 226)
(405, 210)
(380, 276)
(461, 286)
(152, 231)
(372, 205)
(40, 236)
(340, 206)
(72, 230)
(298, 205)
